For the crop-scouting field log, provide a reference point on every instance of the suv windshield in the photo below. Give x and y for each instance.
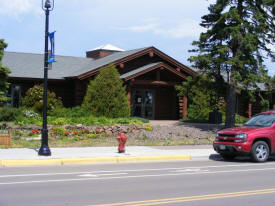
(261, 120)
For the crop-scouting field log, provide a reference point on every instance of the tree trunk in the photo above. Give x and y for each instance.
(230, 106)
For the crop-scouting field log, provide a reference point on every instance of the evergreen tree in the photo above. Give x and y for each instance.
(202, 96)
(106, 95)
(237, 39)
(4, 71)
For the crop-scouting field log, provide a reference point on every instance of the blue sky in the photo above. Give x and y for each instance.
(81, 25)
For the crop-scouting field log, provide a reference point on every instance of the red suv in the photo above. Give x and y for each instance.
(255, 138)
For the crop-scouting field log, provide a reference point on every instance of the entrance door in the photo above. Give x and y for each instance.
(143, 103)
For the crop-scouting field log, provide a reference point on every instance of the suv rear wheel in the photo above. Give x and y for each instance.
(260, 151)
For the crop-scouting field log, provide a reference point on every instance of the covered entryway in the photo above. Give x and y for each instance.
(150, 82)
(151, 92)
(143, 103)
(154, 102)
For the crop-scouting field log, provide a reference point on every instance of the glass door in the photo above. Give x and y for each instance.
(143, 103)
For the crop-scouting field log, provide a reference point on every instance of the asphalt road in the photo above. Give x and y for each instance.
(200, 182)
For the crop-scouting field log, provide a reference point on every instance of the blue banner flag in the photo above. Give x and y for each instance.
(51, 58)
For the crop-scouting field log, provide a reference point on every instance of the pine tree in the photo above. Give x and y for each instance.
(237, 39)
(4, 71)
(106, 95)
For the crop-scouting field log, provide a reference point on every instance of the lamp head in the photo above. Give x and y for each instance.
(47, 4)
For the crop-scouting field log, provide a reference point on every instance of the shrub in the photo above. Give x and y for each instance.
(138, 120)
(8, 113)
(79, 111)
(265, 105)
(58, 131)
(30, 114)
(74, 112)
(240, 119)
(34, 99)
(106, 95)
(59, 121)
(21, 120)
(148, 127)
(59, 112)
(92, 136)
(203, 97)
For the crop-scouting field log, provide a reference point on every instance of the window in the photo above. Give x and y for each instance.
(15, 96)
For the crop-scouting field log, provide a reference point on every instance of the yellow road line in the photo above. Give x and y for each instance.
(192, 198)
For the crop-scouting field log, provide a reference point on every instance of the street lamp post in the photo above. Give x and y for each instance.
(47, 6)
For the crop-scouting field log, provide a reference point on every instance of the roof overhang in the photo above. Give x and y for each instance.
(142, 70)
(145, 51)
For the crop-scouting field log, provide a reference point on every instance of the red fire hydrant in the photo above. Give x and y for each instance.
(122, 138)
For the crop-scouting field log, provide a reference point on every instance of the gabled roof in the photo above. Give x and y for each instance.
(138, 70)
(133, 54)
(96, 64)
(148, 68)
(28, 65)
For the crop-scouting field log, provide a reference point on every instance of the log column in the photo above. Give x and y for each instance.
(184, 108)
(249, 111)
(129, 95)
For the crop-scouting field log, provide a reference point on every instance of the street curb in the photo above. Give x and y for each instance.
(65, 161)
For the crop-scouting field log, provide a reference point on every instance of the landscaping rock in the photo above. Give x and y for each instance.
(79, 126)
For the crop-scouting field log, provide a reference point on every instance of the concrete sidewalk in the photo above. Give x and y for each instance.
(70, 155)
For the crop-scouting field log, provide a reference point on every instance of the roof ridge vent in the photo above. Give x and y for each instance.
(102, 51)
(109, 47)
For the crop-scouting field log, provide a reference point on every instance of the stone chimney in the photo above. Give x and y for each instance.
(102, 51)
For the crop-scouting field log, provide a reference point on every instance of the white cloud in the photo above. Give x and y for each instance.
(15, 8)
(186, 28)
(141, 28)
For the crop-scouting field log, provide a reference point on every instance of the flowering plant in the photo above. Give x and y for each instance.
(67, 133)
(34, 132)
(30, 113)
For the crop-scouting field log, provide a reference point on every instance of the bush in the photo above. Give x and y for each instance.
(74, 112)
(58, 131)
(59, 121)
(21, 120)
(30, 113)
(34, 99)
(148, 127)
(8, 113)
(203, 97)
(79, 111)
(138, 120)
(240, 119)
(106, 95)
